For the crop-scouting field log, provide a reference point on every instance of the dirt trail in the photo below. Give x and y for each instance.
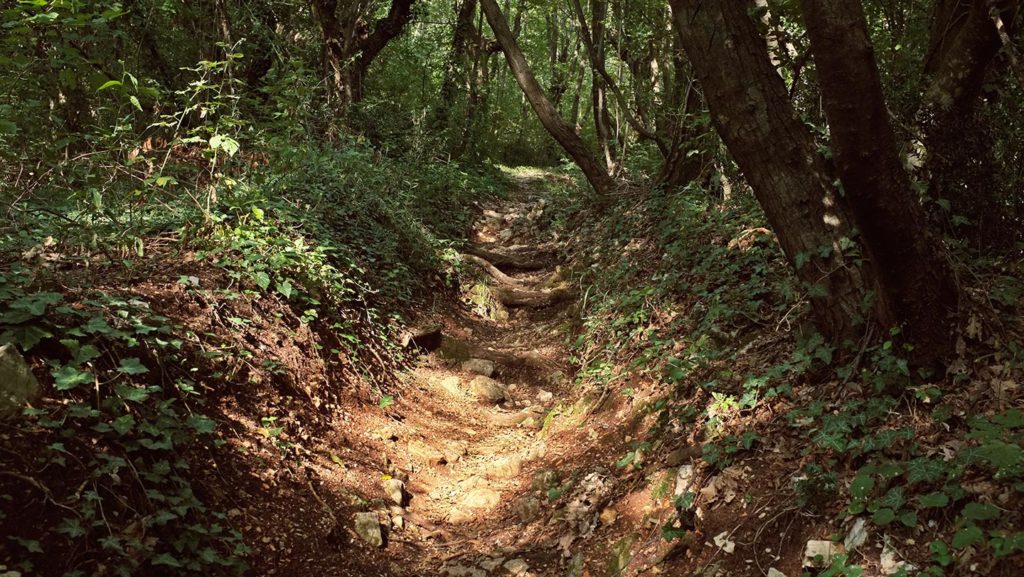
(474, 452)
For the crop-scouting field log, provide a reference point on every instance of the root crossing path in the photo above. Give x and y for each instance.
(473, 463)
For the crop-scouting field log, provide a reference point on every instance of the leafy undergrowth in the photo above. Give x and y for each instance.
(692, 323)
(179, 350)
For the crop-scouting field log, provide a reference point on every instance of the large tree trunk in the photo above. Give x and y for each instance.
(562, 133)
(776, 152)
(351, 44)
(456, 67)
(598, 94)
(916, 280)
(964, 42)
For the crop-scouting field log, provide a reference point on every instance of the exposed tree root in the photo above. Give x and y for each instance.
(507, 261)
(511, 297)
(494, 271)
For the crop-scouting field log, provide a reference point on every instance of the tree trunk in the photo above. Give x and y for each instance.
(964, 42)
(775, 150)
(351, 44)
(562, 133)
(916, 281)
(455, 68)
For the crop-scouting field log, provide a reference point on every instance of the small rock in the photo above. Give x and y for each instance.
(424, 453)
(819, 554)
(452, 385)
(398, 522)
(368, 528)
(517, 566)
(395, 490)
(505, 468)
(545, 396)
(684, 480)
(723, 542)
(857, 536)
(527, 508)
(608, 516)
(773, 572)
(535, 452)
(505, 235)
(479, 366)
(492, 563)
(482, 498)
(455, 451)
(463, 571)
(544, 480)
(489, 389)
(17, 383)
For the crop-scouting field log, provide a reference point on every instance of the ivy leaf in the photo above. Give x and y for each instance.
(165, 559)
(980, 512)
(132, 366)
(966, 537)
(932, 500)
(261, 279)
(123, 424)
(386, 402)
(285, 288)
(129, 393)
(67, 378)
(884, 516)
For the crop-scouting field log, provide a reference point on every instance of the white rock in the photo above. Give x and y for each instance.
(773, 572)
(489, 389)
(816, 549)
(857, 536)
(479, 366)
(517, 566)
(395, 490)
(684, 479)
(722, 542)
(545, 396)
(368, 528)
(17, 383)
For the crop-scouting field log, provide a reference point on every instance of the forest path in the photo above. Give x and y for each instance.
(474, 457)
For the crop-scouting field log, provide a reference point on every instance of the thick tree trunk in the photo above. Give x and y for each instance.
(916, 280)
(562, 133)
(776, 152)
(455, 68)
(598, 94)
(964, 42)
(351, 45)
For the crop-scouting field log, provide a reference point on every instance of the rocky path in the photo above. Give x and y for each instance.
(470, 461)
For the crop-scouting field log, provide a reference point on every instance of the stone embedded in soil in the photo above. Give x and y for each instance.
(517, 566)
(463, 571)
(479, 366)
(773, 572)
(395, 490)
(424, 453)
(527, 508)
(482, 498)
(17, 383)
(492, 563)
(505, 468)
(544, 480)
(488, 389)
(545, 396)
(368, 528)
(452, 385)
(819, 553)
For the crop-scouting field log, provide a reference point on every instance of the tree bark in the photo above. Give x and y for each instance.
(351, 44)
(562, 133)
(751, 110)
(964, 42)
(599, 98)
(915, 278)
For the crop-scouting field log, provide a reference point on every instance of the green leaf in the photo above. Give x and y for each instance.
(201, 424)
(25, 336)
(386, 402)
(862, 486)
(933, 500)
(909, 519)
(165, 559)
(884, 516)
(135, 102)
(67, 378)
(109, 84)
(285, 288)
(980, 512)
(123, 424)
(966, 537)
(130, 393)
(132, 366)
(261, 279)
